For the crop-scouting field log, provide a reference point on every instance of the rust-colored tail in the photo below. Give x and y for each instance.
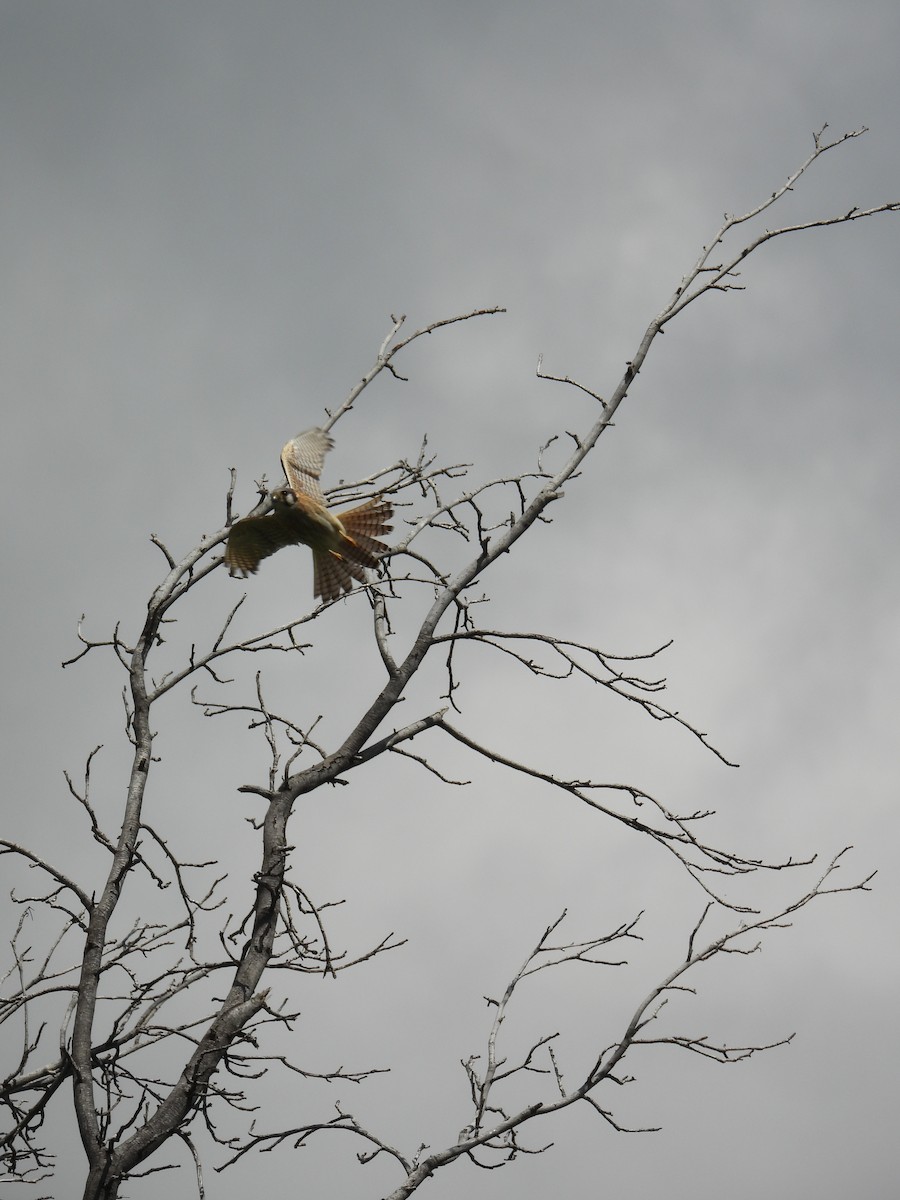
(364, 526)
(335, 570)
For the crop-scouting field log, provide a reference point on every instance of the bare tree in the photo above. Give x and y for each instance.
(158, 1025)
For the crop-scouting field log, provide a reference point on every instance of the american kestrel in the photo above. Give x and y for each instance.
(343, 545)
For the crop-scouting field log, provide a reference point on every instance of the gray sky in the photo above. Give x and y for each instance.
(210, 211)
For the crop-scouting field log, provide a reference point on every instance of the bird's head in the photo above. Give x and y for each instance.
(283, 497)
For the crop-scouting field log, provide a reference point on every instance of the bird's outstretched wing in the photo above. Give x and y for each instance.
(302, 459)
(343, 544)
(255, 538)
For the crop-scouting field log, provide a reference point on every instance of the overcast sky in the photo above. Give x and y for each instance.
(210, 212)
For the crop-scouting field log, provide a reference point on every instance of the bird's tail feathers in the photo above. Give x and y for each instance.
(333, 575)
(364, 526)
(335, 571)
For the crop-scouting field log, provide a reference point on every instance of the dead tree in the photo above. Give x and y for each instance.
(154, 1026)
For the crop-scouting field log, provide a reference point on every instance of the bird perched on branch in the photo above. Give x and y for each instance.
(343, 544)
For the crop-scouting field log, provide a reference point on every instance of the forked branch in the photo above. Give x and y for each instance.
(436, 571)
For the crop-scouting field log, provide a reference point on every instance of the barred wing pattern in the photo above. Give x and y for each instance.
(302, 458)
(255, 538)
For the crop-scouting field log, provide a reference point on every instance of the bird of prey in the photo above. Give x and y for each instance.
(343, 544)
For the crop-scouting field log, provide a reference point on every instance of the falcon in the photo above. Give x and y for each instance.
(343, 544)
